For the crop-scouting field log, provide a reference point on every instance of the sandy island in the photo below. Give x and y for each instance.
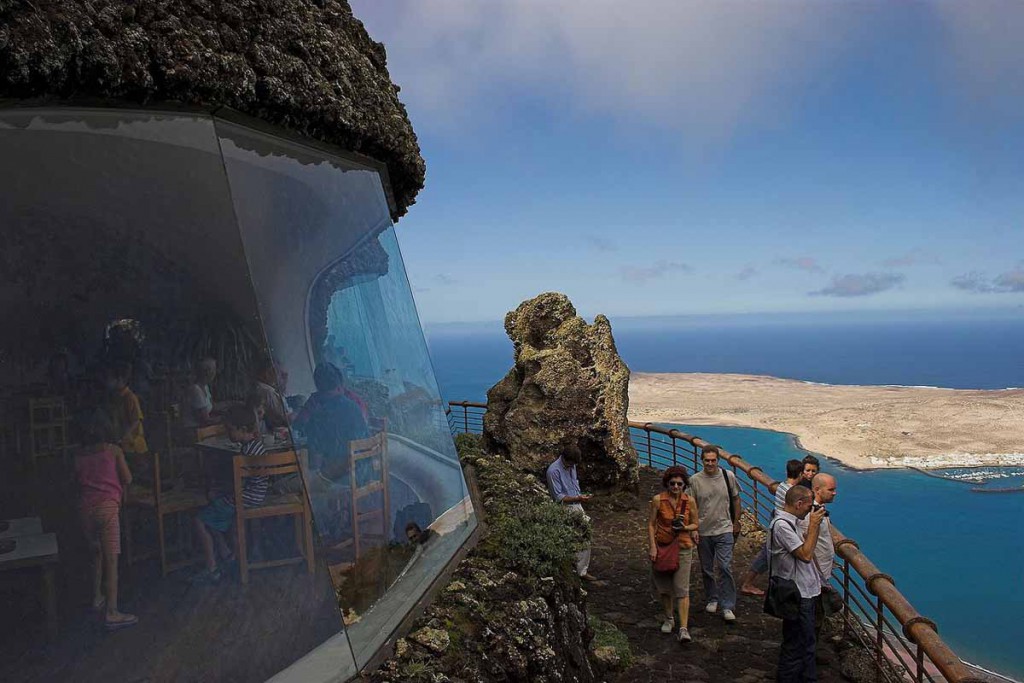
(861, 426)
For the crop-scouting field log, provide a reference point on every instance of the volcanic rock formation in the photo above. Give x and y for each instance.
(568, 385)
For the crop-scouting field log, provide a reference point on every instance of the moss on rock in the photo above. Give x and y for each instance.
(514, 609)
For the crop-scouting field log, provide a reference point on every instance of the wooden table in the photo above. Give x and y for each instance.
(38, 550)
(25, 526)
(222, 445)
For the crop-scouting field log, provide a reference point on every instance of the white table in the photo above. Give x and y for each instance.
(37, 550)
(24, 526)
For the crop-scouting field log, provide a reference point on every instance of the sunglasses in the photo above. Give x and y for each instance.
(676, 483)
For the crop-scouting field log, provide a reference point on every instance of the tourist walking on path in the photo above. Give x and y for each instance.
(564, 486)
(823, 487)
(670, 529)
(718, 499)
(792, 557)
(794, 472)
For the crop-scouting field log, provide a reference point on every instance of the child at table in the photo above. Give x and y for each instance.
(125, 409)
(103, 477)
(216, 519)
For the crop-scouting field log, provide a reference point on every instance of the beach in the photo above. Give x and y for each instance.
(863, 427)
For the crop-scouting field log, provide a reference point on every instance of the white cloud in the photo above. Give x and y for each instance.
(805, 263)
(701, 67)
(747, 273)
(863, 284)
(641, 274)
(1012, 281)
(983, 55)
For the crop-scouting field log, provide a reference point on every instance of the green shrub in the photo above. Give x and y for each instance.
(538, 540)
(607, 635)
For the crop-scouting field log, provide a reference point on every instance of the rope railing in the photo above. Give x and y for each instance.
(905, 644)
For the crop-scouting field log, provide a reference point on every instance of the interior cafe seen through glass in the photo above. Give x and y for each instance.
(225, 453)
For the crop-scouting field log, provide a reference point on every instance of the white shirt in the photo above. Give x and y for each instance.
(784, 539)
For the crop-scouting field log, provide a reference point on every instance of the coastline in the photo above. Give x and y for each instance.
(861, 426)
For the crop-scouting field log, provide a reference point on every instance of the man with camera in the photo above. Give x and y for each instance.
(792, 558)
(718, 499)
(823, 486)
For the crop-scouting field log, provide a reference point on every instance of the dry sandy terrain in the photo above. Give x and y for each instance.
(861, 426)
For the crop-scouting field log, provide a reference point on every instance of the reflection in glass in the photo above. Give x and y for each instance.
(122, 269)
(339, 316)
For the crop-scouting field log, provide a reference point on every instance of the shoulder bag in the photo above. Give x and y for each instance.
(667, 559)
(729, 496)
(782, 599)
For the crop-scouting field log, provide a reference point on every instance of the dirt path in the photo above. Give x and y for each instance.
(745, 652)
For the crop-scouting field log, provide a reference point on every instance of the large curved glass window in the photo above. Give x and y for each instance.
(183, 290)
(339, 314)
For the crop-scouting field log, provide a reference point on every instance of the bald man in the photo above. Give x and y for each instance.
(823, 486)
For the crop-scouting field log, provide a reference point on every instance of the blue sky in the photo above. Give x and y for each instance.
(675, 157)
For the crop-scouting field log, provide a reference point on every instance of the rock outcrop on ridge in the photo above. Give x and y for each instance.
(568, 385)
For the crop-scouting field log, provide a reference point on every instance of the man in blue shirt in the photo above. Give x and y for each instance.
(564, 486)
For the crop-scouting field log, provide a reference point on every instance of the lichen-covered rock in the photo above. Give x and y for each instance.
(306, 65)
(502, 625)
(568, 385)
(434, 639)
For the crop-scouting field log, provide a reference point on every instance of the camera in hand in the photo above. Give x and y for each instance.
(815, 506)
(678, 524)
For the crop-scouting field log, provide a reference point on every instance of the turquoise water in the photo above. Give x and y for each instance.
(956, 555)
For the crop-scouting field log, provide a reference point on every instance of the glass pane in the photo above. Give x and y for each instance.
(123, 268)
(341, 321)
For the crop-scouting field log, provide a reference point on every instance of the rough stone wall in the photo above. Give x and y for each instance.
(506, 615)
(567, 384)
(306, 65)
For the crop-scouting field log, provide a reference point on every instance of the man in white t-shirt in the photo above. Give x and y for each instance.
(792, 557)
(823, 486)
(718, 499)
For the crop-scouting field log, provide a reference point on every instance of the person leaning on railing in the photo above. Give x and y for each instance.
(792, 557)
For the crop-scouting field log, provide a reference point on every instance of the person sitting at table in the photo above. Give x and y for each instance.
(257, 403)
(103, 477)
(125, 408)
(270, 383)
(199, 410)
(330, 419)
(218, 517)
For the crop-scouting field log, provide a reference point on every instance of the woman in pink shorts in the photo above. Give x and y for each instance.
(103, 476)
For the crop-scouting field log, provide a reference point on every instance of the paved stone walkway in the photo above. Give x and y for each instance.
(745, 652)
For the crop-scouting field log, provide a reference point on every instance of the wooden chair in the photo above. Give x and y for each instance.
(372, 450)
(283, 505)
(201, 434)
(47, 427)
(152, 497)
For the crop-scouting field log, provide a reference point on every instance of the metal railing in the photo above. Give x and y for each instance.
(906, 646)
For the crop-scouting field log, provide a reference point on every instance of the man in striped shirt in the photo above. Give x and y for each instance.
(794, 472)
(216, 519)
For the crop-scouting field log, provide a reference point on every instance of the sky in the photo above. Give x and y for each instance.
(667, 157)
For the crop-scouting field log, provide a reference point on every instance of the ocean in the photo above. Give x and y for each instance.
(956, 554)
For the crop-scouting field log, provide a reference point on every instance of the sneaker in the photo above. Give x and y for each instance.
(712, 607)
(684, 635)
(666, 626)
(728, 615)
